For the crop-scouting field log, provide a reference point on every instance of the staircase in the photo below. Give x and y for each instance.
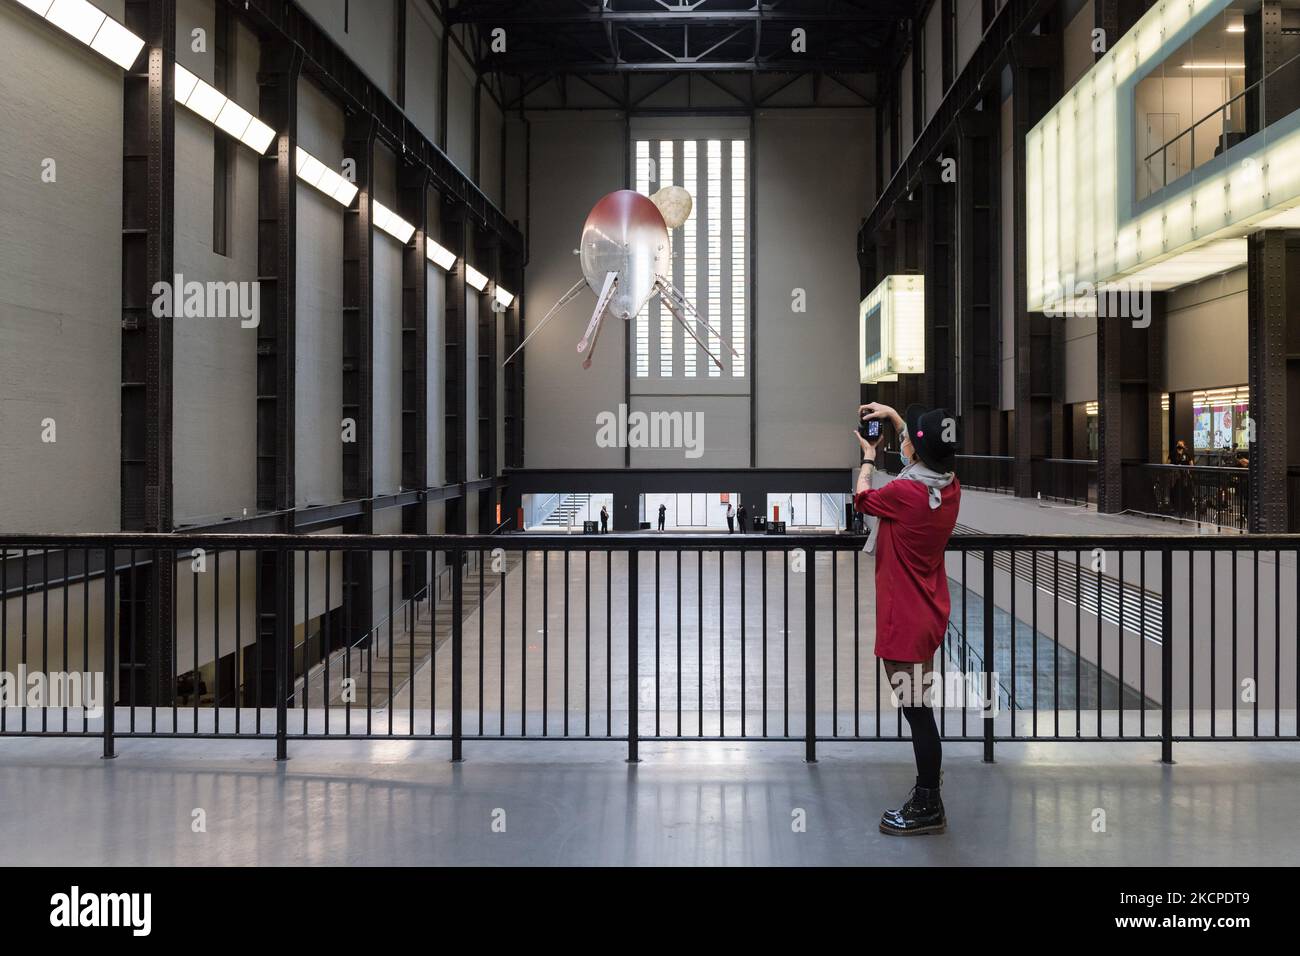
(566, 512)
(407, 653)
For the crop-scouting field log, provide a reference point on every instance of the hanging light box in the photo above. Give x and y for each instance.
(891, 328)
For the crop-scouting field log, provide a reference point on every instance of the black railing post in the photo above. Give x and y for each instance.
(1167, 653)
(457, 650)
(810, 657)
(283, 649)
(110, 650)
(990, 676)
(633, 662)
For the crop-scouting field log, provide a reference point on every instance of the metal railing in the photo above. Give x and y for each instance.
(976, 472)
(1221, 128)
(1065, 479)
(1156, 639)
(1206, 495)
(985, 472)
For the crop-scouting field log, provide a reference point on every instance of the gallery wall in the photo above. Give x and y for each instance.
(812, 187)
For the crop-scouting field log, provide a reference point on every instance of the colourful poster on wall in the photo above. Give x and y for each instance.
(1223, 428)
(1201, 430)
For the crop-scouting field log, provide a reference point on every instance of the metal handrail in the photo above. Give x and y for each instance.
(1228, 102)
(347, 649)
(1174, 591)
(618, 541)
(1167, 466)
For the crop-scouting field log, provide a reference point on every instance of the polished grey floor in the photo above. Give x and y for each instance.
(404, 803)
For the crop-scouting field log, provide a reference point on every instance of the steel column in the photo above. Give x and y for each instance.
(455, 432)
(1273, 261)
(413, 206)
(148, 222)
(279, 70)
(978, 271)
(1038, 341)
(938, 227)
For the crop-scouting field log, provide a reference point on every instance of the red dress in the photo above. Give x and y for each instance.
(912, 601)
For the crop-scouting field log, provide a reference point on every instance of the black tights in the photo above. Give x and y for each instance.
(925, 744)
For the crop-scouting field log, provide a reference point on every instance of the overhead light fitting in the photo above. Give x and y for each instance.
(1213, 66)
(392, 223)
(504, 297)
(443, 258)
(92, 26)
(319, 176)
(475, 278)
(221, 111)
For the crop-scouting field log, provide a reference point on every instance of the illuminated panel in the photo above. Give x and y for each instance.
(1082, 228)
(891, 329)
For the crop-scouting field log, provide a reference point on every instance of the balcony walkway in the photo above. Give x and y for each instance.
(363, 803)
(1005, 514)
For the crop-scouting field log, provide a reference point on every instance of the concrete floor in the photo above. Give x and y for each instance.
(403, 803)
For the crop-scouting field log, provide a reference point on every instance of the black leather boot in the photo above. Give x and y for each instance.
(922, 813)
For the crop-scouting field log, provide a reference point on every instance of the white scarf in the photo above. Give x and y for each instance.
(935, 481)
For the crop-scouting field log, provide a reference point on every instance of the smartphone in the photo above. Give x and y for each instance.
(870, 430)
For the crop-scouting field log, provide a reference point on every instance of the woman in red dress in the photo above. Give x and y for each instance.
(916, 513)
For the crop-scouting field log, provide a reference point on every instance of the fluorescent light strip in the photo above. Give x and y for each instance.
(86, 22)
(441, 257)
(475, 278)
(77, 18)
(392, 223)
(319, 176)
(504, 297)
(221, 111)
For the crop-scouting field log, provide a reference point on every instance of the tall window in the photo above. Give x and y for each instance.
(713, 314)
(709, 255)
(666, 323)
(739, 260)
(643, 164)
(690, 287)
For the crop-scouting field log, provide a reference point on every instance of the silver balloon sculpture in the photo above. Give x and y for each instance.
(625, 260)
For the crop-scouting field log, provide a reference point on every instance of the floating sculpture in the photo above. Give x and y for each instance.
(625, 260)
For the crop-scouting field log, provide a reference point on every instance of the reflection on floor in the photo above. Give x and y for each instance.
(353, 803)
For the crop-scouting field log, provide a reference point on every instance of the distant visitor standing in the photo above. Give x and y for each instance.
(604, 520)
